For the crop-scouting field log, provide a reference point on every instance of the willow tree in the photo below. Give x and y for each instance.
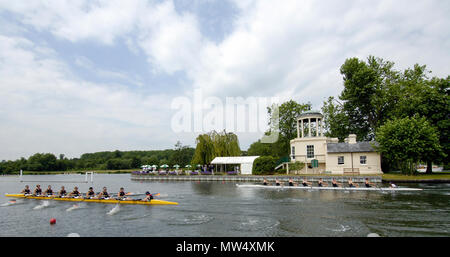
(215, 144)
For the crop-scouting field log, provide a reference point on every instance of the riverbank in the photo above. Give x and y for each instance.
(441, 177)
(74, 172)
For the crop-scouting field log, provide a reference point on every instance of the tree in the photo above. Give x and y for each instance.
(427, 98)
(336, 122)
(366, 88)
(264, 165)
(407, 141)
(287, 125)
(215, 144)
(259, 149)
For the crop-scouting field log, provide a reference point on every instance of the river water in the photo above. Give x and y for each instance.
(210, 209)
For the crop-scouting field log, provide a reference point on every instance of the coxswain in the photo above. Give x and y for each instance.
(335, 183)
(38, 190)
(62, 192)
(90, 193)
(75, 192)
(148, 197)
(49, 191)
(367, 183)
(26, 190)
(103, 194)
(305, 183)
(351, 184)
(320, 183)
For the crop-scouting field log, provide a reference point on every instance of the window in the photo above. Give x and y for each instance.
(363, 159)
(340, 160)
(310, 151)
(293, 153)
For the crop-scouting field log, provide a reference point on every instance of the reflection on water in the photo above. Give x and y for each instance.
(222, 209)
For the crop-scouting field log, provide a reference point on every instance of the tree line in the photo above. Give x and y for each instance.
(108, 160)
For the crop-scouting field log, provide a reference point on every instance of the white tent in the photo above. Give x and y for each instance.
(245, 162)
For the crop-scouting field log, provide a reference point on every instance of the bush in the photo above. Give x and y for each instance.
(264, 165)
(296, 166)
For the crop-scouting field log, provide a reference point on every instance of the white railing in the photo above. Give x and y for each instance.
(61, 181)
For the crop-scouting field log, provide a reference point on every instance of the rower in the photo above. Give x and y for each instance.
(277, 182)
(104, 194)
(320, 183)
(351, 184)
(26, 190)
(90, 193)
(291, 182)
(62, 192)
(121, 195)
(49, 191)
(335, 183)
(38, 190)
(305, 183)
(75, 192)
(148, 197)
(367, 183)
(265, 182)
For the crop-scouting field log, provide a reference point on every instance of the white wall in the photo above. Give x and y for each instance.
(246, 168)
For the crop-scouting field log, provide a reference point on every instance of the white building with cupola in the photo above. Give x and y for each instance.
(324, 155)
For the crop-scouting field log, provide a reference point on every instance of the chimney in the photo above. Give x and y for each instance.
(352, 139)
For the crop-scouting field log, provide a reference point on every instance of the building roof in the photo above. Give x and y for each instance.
(234, 160)
(311, 113)
(351, 148)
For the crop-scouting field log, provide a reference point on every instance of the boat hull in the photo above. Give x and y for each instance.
(333, 188)
(107, 201)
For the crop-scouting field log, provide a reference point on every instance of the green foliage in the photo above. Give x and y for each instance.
(115, 160)
(259, 149)
(336, 122)
(287, 127)
(264, 165)
(374, 93)
(215, 144)
(366, 86)
(297, 166)
(407, 141)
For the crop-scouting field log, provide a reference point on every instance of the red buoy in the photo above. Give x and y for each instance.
(52, 221)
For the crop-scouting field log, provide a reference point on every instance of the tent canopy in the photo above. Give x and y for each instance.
(234, 160)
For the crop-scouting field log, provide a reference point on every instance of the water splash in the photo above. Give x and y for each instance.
(341, 229)
(8, 203)
(74, 207)
(43, 205)
(114, 210)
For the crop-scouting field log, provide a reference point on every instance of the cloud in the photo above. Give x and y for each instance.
(290, 49)
(44, 107)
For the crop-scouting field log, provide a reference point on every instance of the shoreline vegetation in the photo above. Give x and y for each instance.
(441, 177)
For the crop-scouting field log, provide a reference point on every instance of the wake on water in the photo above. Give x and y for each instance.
(114, 210)
(74, 207)
(43, 205)
(8, 203)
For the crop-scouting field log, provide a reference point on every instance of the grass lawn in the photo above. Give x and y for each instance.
(420, 176)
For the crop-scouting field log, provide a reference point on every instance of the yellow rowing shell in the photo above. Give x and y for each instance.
(111, 201)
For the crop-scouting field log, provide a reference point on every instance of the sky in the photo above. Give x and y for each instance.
(99, 75)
